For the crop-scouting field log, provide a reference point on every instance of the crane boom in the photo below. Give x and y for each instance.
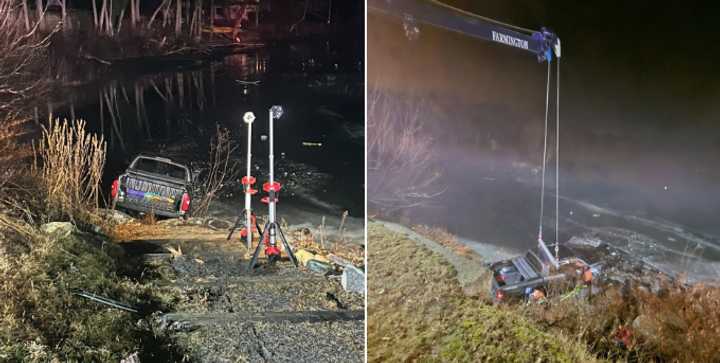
(543, 43)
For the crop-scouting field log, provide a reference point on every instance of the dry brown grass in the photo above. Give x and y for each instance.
(69, 161)
(304, 239)
(41, 320)
(149, 219)
(445, 238)
(677, 324)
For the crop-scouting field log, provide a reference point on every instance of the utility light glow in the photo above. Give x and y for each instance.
(249, 117)
(276, 111)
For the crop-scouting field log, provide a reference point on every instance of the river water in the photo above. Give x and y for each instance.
(650, 204)
(173, 111)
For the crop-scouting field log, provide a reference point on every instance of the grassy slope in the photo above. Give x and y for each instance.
(41, 319)
(418, 312)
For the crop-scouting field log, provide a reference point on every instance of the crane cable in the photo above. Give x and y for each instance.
(544, 160)
(557, 162)
(557, 157)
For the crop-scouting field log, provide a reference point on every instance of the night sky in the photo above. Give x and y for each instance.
(639, 99)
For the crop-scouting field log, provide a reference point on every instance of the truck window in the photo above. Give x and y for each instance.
(160, 168)
(534, 261)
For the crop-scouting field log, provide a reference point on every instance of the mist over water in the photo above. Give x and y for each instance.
(639, 144)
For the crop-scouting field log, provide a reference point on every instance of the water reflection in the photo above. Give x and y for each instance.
(175, 113)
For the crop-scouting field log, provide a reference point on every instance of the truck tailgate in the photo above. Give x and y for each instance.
(152, 195)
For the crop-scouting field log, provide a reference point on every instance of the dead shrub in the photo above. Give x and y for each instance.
(676, 323)
(22, 57)
(221, 169)
(400, 163)
(149, 219)
(69, 161)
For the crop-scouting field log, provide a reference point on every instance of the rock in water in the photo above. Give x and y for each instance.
(58, 229)
(353, 279)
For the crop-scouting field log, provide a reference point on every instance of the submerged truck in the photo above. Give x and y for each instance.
(154, 185)
(515, 278)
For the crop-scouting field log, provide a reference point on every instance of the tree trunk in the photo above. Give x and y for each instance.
(95, 14)
(103, 10)
(132, 14)
(63, 7)
(26, 15)
(122, 15)
(178, 17)
(40, 10)
(212, 18)
(188, 15)
(157, 11)
(109, 19)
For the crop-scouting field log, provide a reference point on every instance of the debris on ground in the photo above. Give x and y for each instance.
(353, 280)
(228, 313)
(105, 301)
(319, 267)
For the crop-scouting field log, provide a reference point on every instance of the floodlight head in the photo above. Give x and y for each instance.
(249, 117)
(276, 111)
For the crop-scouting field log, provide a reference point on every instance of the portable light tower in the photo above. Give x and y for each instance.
(270, 232)
(247, 181)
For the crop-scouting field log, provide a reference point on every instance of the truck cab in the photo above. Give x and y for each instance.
(153, 184)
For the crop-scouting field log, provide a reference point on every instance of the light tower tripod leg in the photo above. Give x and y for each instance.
(288, 249)
(253, 260)
(238, 221)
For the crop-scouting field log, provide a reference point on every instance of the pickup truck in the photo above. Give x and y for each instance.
(153, 185)
(516, 277)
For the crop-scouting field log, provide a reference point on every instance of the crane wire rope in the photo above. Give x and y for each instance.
(544, 157)
(557, 161)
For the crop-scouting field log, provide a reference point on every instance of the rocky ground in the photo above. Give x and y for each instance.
(226, 314)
